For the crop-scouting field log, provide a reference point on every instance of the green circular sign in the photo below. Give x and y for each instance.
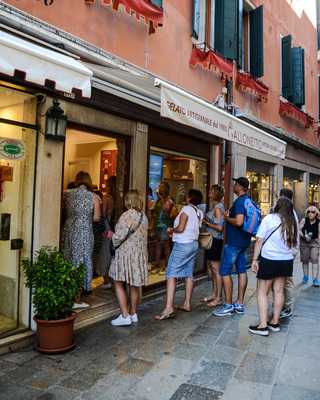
(12, 149)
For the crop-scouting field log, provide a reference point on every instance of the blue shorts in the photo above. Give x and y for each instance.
(182, 259)
(233, 256)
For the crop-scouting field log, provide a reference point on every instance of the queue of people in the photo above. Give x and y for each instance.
(123, 252)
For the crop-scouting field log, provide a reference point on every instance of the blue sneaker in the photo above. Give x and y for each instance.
(316, 283)
(238, 308)
(224, 311)
(305, 279)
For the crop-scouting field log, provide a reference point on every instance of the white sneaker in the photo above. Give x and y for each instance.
(134, 318)
(77, 306)
(122, 321)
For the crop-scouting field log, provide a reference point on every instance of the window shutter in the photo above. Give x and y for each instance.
(298, 89)
(240, 34)
(157, 3)
(196, 19)
(256, 42)
(286, 67)
(226, 28)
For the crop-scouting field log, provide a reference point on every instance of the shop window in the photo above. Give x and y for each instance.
(179, 173)
(203, 21)
(261, 190)
(292, 72)
(17, 167)
(313, 192)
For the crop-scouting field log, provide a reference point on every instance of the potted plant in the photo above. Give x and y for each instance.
(55, 284)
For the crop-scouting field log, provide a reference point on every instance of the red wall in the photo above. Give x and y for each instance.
(167, 52)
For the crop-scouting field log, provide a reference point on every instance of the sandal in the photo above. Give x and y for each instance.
(182, 308)
(206, 299)
(164, 316)
(210, 305)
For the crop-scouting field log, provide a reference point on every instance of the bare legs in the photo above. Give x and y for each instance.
(264, 287)
(227, 288)
(171, 291)
(242, 287)
(123, 300)
(305, 267)
(216, 284)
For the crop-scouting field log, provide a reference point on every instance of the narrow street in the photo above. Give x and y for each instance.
(193, 357)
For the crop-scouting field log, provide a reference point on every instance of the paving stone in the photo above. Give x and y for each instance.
(301, 345)
(302, 371)
(135, 367)
(193, 392)
(58, 393)
(273, 345)
(16, 392)
(6, 366)
(20, 357)
(281, 392)
(201, 339)
(238, 340)
(82, 380)
(245, 391)
(164, 379)
(256, 367)
(225, 354)
(188, 351)
(153, 350)
(212, 374)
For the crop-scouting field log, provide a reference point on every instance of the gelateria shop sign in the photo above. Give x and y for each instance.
(190, 110)
(11, 149)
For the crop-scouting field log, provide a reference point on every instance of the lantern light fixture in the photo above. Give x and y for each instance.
(56, 122)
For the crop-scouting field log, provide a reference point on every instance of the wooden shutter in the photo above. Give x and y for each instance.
(157, 3)
(240, 34)
(196, 19)
(286, 67)
(256, 42)
(298, 87)
(226, 28)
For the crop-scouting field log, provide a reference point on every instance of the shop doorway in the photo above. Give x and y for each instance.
(179, 172)
(105, 158)
(18, 140)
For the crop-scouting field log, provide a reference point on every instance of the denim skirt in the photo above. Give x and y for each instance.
(182, 259)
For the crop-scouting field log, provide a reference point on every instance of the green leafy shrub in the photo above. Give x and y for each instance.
(55, 283)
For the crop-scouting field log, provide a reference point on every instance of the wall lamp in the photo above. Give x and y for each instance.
(56, 122)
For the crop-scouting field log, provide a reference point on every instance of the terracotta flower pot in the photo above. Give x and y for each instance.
(55, 336)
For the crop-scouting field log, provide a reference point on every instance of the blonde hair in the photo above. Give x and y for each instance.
(133, 200)
(83, 178)
(312, 208)
(218, 190)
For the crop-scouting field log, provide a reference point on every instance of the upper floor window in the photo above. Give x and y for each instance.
(157, 3)
(293, 76)
(234, 29)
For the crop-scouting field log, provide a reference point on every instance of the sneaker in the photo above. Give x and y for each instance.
(305, 279)
(316, 283)
(238, 308)
(77, 306)
(285, 313)
(274, 327)
(134, 318)
(122, 321)
(225, 310)
(259, 331)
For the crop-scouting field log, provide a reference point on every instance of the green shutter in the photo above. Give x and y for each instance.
(226, 28)
(256, 42)
(298, 89)
(196, 19)
(240, 34)
(286, 67)
(157, 3)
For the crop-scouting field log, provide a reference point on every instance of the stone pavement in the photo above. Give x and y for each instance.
(193, 357)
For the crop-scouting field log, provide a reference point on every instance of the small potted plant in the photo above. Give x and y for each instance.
(55, 285)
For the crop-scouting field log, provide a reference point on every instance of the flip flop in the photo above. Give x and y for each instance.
(164, 316)
(206, 299)
(213, 306)
(181, 308)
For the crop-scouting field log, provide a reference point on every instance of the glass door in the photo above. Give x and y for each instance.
(17, 168)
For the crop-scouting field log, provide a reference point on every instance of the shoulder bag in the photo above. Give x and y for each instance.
(205, 238)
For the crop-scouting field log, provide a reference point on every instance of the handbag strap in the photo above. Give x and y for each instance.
(269, 236)
(131, 232)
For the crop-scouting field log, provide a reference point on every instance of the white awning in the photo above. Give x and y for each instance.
(40, 64)
(193, 111)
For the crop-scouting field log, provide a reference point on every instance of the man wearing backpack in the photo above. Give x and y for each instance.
(234, 251)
